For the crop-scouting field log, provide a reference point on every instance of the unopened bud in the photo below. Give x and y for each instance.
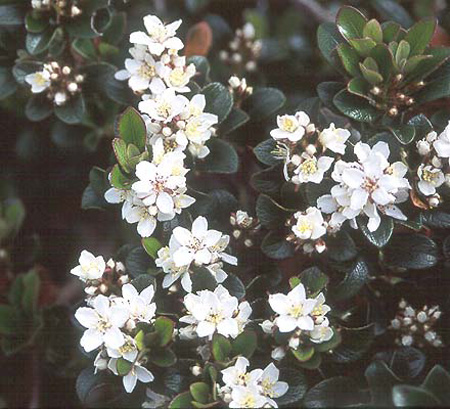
(236, 58)
(103, 288)
(237, 234)
(60, 98)
(79, 78)
(436, 162)
(311, 150)
(407, 340)
(248, 243)
(66, 70)
(376, 90)
(250, 66)
(422, 317)
(72, 87)
(393, 111)
(434, 201)
(410, 101)
(54, 76)
(423, 147)
(395, 323)
(234, 82)
(196, 370)
(75, 11)
(167, 131)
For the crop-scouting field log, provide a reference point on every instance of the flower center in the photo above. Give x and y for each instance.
(192, 128)
(296, 310)
(304, 227)
(127, 347)
(40, 79)
(158, 33)
(370, 185)
(164, 109)
(267, 387)
(146, 71)
(288, 125)
(308, 167)
(248, 402)
(430, 177)
(215, 317)
(177, 77)
(103, 325)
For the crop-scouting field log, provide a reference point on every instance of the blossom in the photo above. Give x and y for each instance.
(270, 386)
(178, 74)
(126, 196)
(103, 323)
(311, 169)
(39, 81)
(159, 36)
(293, 309)
(334, 138)
(366, 186)
(292, 127)
(237, 374)
(246, 397)
(429, 179)
(164, 106)
(137, 373)
(140, 305)
(310, 224)
(211, 312)
(321, 332)
(442, 143)
(90, 268)
(127, 351)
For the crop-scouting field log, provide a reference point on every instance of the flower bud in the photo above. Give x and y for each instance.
(66, 70)
(250, 66)
(311, 150)
(167, 131)
(196, 370)
(60, 98)
(395, 323)
(294, 342)
(423, 147)
(407, 340)
(434, 201)
(234, 82)
(436, 162)
(430, 336)
(72, 87)
(79, 78)
(75, 11)
(236, 58)
(267, 326)
(248, 243)
(422, 317)
(223, 55)
(278, 354)
(54, 76)
(237, 234)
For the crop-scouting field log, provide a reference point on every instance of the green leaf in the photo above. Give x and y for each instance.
(57, 42)
(35, 22)
(405, 134)
(120, 151)
(164, 327)
(11, 15)
(132, 128)
(355, 343)
(72, 112)
(200, 392)
(328, 38)
(381, 380)
(9, 320)
(275, 245)
(118, 179)
(202, 68)
(412, 396)
(116, 29)
(268, 180)
(139, 340)
(436, 219)
(92, 200)
(38, 108)
(181, 401)
(93, 388)
(437, 382)
(14, 215)
(359, 86)
(353, 281)
(392, 10)
(349, 58)
(363, 46)
(234, 120)
(202, 279)
(355, 107)
(297, 387)
(390, 31)
(221, 348)
(341, 246)
(370, 76)
(151, 246)
(350, 22)
(218, 100)
(419, 35)
(327, 91)
(331, 344)
(303, 353)
(373, 30)
(438, 87)
(263, 152)
(263, 103)
(221, 159)
(85, 47)
(420, 253)
(30, 295)
(8, 84)
(314, 280)
(235, 286)
(313, 363)
(37, 43)
(123, 366)
(163, 357)
(382, 235)
(270, 213)
(137, 262)
(425, 67)
(245, 344)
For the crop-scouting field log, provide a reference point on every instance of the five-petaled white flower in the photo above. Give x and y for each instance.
(292, 127)
(103, 323)
(430, 178)
(159, 37)
(293, 309)
(90, 268)
(334, 138)
(163, 107)
(247, 397)
(211, 312)
(137, 373)
(39, 81)
(237, 374)
(311, 169)
(270, 386)
(310, 224)
(140, 305)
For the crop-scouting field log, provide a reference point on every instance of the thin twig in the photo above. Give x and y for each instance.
(314, 10)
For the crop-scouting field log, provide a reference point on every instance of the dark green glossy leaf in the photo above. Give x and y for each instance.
(412, 396)
(221, 159)
(234, 120)
(263, 152)
(419, 35)
(328, 38)
(382, 235)
(355, 107)
(275, 246)
(263, 103)
(245, 344)
(350, 22)
(72, 112)
(353, 281)
(218, 100)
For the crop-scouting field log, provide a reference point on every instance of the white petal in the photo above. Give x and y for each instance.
(129, 382)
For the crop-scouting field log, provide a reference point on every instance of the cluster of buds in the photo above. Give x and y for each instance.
(243, 50)
(245, 227)
(239, 88)
(415, 327)
(60, 83)
(66, 8)
(434, 170)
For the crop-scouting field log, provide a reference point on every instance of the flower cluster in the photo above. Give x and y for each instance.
(434, 170)
(369, 186)
(61, 83)
(156, 67)
(304, 318)
(302, 147)
(211, 312)
(245, 227)
(415, 327)
(199, 247)
(251, 389)
(243, 50)
(65, 8)
(111, 321)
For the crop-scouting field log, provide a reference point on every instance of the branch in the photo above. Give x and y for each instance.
(314, 10)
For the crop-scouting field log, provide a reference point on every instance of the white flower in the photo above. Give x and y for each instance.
(270, 386)
(137, 373)
(320, 309)
(164, 106)
(366, 186)
(442, 143)
(311, 169)
(246, 397)
(334, 138)
(278, 353)
(293, 309)
(321, 333)
(423, 147)
(212, 312)
(39, 81)
(310, 224)
(160, 37)
(127, 351)
(125, 196)
(237, 374)
(145, 217)
(178, 75)
(291, 127)
(90, 268)
(139, 73)
(141, 307)
(430, 179)
(103, 323)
